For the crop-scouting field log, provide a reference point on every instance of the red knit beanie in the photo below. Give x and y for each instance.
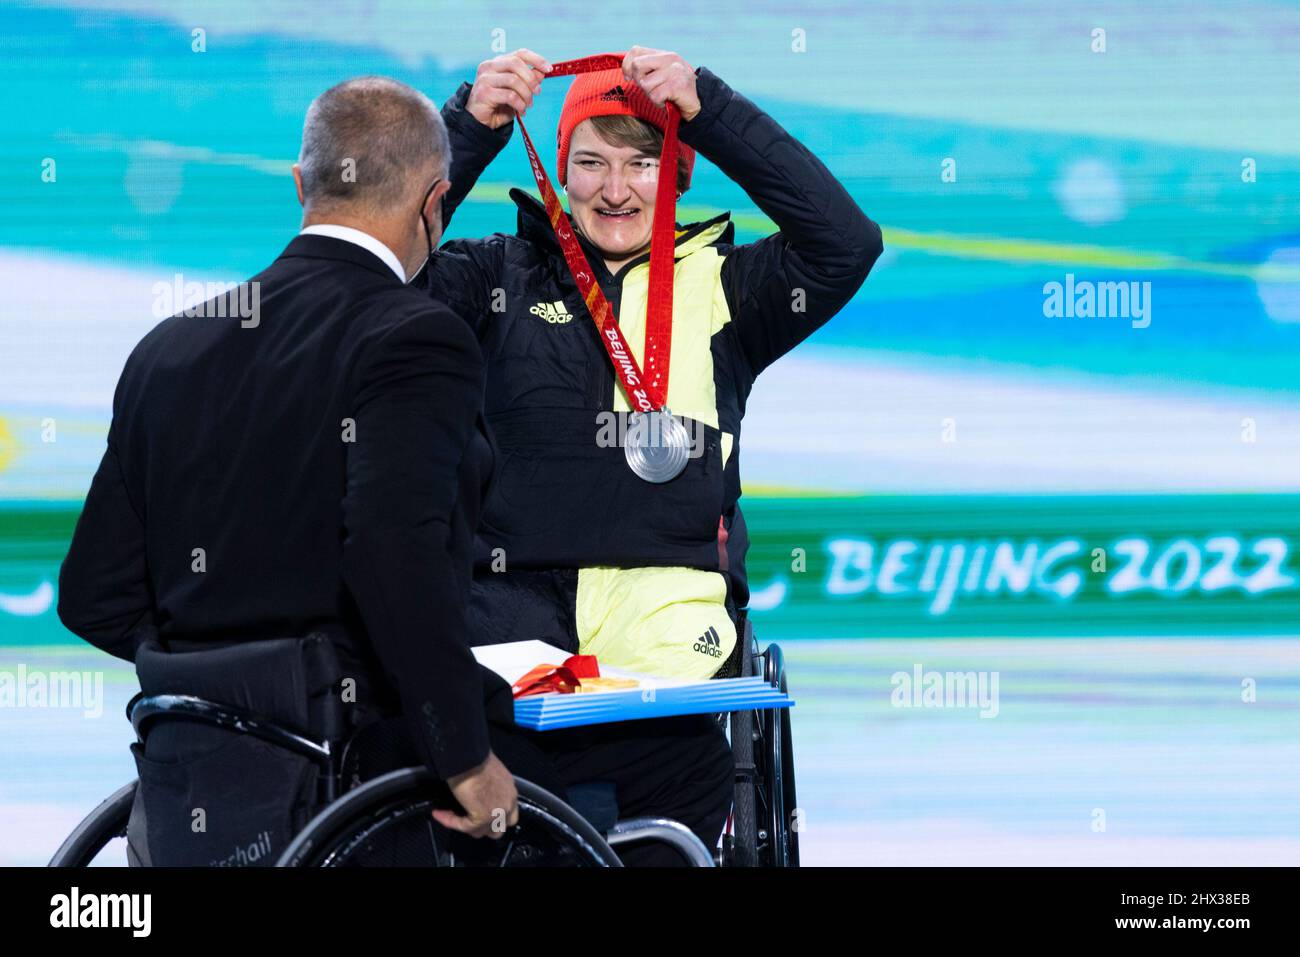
(610, 93)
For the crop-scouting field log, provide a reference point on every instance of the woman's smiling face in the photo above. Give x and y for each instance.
(611, 193)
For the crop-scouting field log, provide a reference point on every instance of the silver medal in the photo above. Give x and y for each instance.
(657, 445)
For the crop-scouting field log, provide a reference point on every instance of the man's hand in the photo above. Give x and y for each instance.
(665, 77)
(488, 795)
(504, 87)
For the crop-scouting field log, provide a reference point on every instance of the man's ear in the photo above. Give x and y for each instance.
(297, 182)
(434, 202)
(432, 210)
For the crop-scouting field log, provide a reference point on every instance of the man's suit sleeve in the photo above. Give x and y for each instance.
(781, 289)
(419, 387)
(105, 595)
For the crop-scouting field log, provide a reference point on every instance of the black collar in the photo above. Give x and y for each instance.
(535, 227)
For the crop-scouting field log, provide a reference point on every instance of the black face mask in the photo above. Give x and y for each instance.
(428, 234)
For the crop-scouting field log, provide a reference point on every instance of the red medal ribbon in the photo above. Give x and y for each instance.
(643, 394)
(557, 679)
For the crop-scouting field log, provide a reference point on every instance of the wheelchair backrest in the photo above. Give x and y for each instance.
(235, 753)
(291, 682)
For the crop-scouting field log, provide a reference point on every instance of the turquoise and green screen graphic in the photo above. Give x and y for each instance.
(1053, 440)
(1066, 401)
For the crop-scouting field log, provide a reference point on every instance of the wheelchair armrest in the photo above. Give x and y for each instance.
(145, 710)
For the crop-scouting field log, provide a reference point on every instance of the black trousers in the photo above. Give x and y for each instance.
(679, 767)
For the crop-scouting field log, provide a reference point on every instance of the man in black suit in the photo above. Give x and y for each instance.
(307, 454)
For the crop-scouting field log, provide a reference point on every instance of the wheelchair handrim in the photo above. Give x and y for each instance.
(397, 794)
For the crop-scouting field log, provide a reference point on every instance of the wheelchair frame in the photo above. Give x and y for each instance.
(764, 826)
(759, 831)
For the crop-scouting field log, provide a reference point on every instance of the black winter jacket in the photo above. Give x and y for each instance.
(560, 500)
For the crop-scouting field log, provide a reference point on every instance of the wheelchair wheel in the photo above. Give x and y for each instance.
(776, 752)
(743, 846)
(765, 803)
(793, 819)
(779, 841)
(740, 848)
(101, 826)
(388, 822)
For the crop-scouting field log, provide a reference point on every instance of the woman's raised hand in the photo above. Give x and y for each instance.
(504, 87)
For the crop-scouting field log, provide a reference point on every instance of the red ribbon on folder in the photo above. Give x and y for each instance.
(557, 679)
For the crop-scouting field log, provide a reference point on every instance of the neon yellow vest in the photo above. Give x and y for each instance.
(670, 621)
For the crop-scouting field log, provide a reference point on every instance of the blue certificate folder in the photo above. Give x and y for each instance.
(655, 698)
(544, 712)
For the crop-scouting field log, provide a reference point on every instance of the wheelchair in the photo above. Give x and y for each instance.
(386, 821)
(765, 819)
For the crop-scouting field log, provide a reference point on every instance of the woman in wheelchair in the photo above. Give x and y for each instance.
(577, 547)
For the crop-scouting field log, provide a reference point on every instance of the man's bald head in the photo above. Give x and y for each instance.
(371, 145)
